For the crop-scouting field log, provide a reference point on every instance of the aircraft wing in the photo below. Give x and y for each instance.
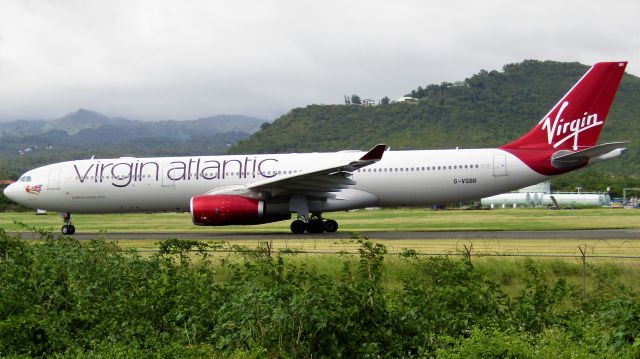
(318, 182)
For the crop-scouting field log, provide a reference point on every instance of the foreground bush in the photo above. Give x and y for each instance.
(91, 299)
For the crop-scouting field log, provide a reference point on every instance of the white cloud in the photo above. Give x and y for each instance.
(182, 60)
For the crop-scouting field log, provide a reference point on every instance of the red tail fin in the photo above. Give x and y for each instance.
(575, 122)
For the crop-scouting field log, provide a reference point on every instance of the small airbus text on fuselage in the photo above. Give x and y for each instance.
(254, 189)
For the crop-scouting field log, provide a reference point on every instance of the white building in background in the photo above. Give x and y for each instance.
(540, 195)
(405, 99)
(542, 187)
(368, 102)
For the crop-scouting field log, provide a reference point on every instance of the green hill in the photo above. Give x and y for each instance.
(26, 144)
(490, 109)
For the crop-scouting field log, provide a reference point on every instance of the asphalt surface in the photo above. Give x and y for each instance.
(598, 234)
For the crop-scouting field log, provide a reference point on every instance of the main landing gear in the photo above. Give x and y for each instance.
(68, 228)
(315, 224)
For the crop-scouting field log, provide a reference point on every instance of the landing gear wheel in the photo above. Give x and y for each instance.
(298, 226)
(315, 226)
(68, 229)
(330, 226)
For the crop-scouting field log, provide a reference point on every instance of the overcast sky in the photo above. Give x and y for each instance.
(181, 60)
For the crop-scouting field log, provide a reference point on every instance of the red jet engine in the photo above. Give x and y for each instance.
(222, 210)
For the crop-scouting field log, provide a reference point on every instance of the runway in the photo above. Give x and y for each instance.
(598, 234)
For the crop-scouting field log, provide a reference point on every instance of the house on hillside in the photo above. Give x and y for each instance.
(368, 102)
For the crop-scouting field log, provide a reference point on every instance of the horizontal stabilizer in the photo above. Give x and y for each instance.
(567, 159)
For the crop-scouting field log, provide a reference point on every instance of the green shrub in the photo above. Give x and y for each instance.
(539, 305)
(490, 343)
(621, 319)
(91, 299)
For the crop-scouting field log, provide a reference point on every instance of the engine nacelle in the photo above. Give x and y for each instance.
(224, 209)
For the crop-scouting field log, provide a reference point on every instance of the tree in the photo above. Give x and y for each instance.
(385, 101)
(445, 86)
(355, 99)
(347, 100)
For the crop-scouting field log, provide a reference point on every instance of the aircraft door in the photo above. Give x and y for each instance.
(54, 179)
(499, 165)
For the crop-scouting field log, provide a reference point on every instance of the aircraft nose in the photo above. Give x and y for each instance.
(11, 192)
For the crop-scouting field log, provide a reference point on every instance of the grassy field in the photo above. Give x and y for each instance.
(359, 221)
(380, 220)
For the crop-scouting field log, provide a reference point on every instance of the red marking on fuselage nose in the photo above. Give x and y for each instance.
(33, 189)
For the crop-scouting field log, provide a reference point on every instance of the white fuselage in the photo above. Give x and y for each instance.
(401, 178)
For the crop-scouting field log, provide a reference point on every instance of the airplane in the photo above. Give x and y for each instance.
(263, 188)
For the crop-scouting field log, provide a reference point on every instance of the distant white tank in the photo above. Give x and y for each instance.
(507, 199)
(578, 199)
(536, 199)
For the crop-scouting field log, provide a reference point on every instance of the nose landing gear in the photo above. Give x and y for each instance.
(68, 228)
(315, 224)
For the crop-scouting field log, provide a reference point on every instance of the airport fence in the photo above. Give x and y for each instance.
(583, 271)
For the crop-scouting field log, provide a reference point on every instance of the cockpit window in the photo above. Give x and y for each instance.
(25, 179)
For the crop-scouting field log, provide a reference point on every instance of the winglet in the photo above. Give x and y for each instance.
(374, 154)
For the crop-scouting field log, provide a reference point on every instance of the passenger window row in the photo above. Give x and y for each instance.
(423, 168)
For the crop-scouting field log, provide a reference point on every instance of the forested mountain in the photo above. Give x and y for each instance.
(84, 122)
(25, 144)
(488, 110)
